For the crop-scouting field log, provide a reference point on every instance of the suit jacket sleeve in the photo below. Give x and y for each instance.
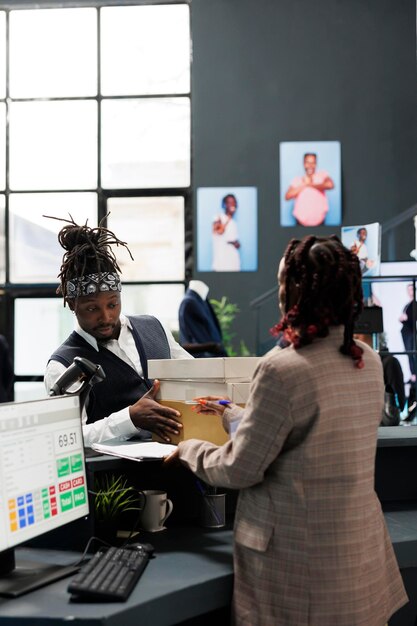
(262, 433)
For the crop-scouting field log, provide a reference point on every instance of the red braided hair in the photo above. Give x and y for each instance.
(323, 288)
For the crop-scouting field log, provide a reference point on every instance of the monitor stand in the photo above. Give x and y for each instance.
(25, 576)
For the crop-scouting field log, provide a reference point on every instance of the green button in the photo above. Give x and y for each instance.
(46, 511)
(45, 493)
(63, 466)
(66, 501)
(76, 463)
(79, 496)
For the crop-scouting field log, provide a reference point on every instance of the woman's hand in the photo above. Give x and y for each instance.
(211, 405)
(172, 459)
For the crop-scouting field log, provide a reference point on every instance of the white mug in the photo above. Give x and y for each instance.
(157, 508)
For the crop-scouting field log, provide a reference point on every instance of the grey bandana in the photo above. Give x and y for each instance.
(91, 284)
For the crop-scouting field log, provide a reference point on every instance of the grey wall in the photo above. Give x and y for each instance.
(266, 71)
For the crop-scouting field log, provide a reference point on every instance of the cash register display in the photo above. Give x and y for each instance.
(42, 470)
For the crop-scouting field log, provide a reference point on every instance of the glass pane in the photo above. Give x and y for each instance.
(2, 54)
(35, 254)
(33, 348)
(146, 143)
(153, 229)
(2, 145)
(53, 53)
(53, 145)
(163, 301)
(25, 391)
(2, 240)
(145, 50)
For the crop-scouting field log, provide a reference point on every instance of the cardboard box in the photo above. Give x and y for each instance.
(238, 392)
(185, 379)
(196, 426)
(189, 389)
(220, 369)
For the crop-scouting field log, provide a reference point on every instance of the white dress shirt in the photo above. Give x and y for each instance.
(118, 425)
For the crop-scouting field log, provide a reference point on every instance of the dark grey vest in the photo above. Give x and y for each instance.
(122, 385)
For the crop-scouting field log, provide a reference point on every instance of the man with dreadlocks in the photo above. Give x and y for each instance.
(311, 546)
(124, 404)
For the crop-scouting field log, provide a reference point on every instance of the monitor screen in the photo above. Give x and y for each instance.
(42, 469)
(394, 292)
(393, 296)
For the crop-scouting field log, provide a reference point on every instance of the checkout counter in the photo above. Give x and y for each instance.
(189, 582)
(396, 486)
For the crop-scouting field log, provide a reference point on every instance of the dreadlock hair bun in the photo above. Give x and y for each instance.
(75, 235)
(87, 251)
(323, 288)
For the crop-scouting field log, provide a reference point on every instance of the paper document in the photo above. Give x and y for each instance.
(134, 450)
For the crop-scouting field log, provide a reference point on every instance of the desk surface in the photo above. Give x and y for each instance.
(395, 436)
(191, 574)
(402, 527)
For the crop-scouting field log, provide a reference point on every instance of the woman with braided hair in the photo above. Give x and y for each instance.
(123, 405)
(326, 290)
(311, 546)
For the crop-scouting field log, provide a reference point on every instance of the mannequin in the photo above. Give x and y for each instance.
(200, 332)
(199, 287)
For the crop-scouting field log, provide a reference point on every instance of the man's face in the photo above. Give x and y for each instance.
(362, 234)
(310, 163)
(98, 314)
(230, 205)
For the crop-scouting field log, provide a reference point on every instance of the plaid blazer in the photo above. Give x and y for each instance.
(311, 545)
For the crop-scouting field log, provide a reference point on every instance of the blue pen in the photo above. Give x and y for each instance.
(203, 402)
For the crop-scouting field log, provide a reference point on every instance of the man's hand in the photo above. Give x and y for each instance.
(148, 414)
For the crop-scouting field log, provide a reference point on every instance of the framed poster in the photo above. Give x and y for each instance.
(310, 183)
(227, 237)
(365, 241)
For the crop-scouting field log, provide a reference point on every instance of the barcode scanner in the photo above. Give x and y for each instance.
(83, 371)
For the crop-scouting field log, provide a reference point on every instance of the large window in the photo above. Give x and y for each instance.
(95, 121)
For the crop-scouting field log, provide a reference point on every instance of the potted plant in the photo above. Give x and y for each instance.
(226, 312)
(113, 497)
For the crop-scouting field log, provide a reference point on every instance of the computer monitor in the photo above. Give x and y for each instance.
(42, 482)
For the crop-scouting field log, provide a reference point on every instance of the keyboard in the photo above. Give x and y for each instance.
(110, 575)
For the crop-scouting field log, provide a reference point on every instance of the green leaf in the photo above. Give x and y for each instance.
(226, 313)
(114, 496)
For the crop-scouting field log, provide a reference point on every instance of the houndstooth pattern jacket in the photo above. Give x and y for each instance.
(311, 545)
